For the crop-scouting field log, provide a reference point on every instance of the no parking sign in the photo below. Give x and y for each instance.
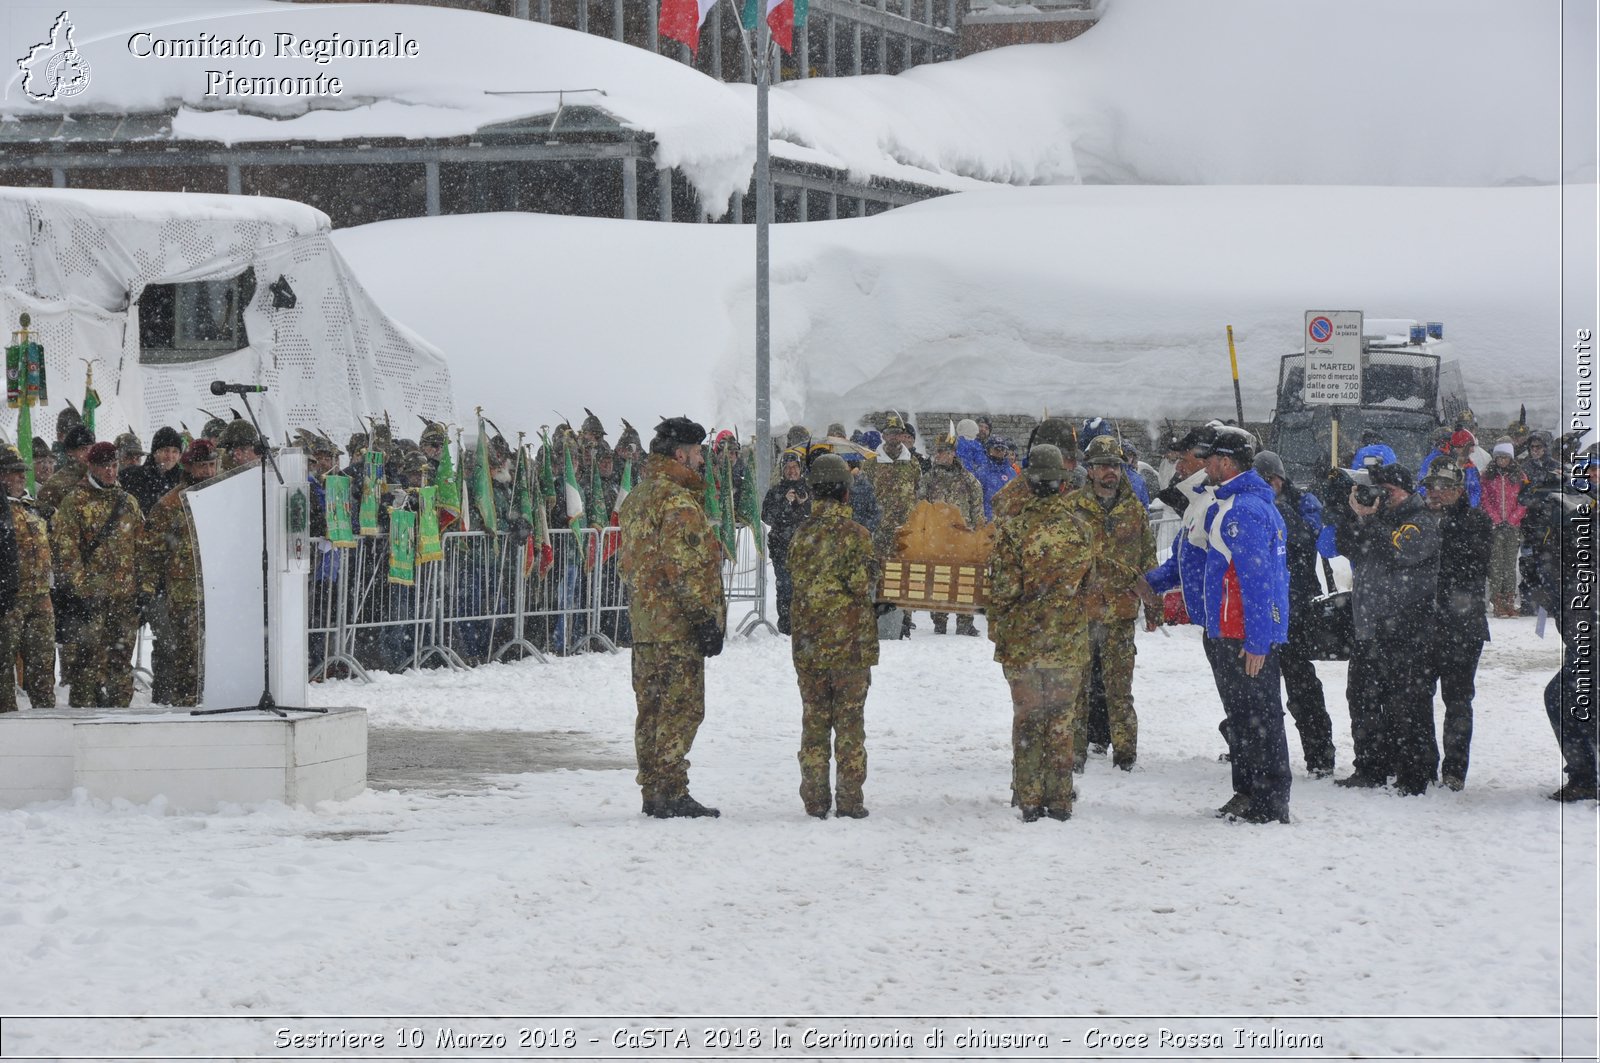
(1333, 358)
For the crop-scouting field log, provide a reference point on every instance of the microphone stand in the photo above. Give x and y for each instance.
(267, 702)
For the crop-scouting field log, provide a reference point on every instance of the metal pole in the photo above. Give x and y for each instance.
(763, 291)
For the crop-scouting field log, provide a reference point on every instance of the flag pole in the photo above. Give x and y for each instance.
(763, 290)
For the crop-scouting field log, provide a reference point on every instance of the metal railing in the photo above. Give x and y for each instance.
(490, 598)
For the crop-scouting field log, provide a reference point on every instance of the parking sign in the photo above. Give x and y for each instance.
(1333, 358)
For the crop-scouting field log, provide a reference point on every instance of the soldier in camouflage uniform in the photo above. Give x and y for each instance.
(1125, 549)
(948, 481)
(10, 585)
(672, 565)
(93, 541)
(32, 620)
(895, 477)
(1041, 558)
(239, 445)
(835, 640)
(1052, 431)
(69, 474)
(170, 591)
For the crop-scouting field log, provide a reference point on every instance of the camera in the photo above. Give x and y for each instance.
(1367, 493)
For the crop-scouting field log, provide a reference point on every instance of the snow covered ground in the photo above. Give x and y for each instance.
(547, 894)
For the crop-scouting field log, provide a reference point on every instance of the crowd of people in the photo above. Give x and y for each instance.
(103, 546)
(1074, 562)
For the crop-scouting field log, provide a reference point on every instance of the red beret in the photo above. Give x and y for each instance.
(200, 451)
(102, 454)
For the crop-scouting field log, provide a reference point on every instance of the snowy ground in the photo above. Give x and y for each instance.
(547, 894)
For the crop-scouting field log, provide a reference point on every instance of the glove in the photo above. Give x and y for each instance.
(708, 636)
(884, 608)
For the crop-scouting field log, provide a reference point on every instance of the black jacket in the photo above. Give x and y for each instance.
(782, 516)
(148, 484)
(1394, 563)
(10, 564)
(1464, 535)
(1560, 526)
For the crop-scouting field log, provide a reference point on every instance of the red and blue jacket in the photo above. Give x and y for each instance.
(1247, 565)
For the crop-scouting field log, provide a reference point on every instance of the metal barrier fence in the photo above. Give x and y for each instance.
(491, 597)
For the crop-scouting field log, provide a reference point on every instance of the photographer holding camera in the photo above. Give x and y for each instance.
(787, 505)
(1392, 541)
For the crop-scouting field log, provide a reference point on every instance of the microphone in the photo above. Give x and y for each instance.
(219, 387)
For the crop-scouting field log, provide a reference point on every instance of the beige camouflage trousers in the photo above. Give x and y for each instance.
(833, 701)
(36, 646)
(1044, 707)
(175, 654)
(1112, 642)
(669, 687)
(102, 661)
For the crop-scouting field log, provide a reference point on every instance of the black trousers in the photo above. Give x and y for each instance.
(1256, 741)
(1390, 693)
(1307, 706)
(1455, 667)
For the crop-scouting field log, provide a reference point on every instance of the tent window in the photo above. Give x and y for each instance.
(195, 321)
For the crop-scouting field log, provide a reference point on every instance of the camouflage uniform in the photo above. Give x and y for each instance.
(68, 475)
(99, 566)
(672, 565)
(896, 484)
(169, 583)
(1040, 560)
(1125, 549)
(954, 485)
(835, 646)
(34, 620)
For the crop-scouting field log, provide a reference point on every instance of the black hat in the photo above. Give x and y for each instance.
(680, 431)
(1234, 442)
(1394, 475)
(166, 437)
(77, 436)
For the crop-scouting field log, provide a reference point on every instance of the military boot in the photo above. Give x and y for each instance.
(1236, 804)
(940, 624)
(1032, 813)
(1575, 791)
(965, 626)
(851, 813)
(684, 807)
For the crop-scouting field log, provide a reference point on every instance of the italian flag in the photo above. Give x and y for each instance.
(783, 17)
(681, 20)
(573, 496)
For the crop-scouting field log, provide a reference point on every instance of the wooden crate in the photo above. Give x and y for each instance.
(934, 585)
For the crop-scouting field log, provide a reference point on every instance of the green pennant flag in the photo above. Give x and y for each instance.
(572, 496)
(729, 528)
(447, 495)
(713, 500)
(625, 487)
(429, 546)
(599, 516)
(482, 484)
(750, 510)
(25, 441)
(402, 547)
(91, 399)
(540, 550)
(371, 492)
(336, 500)
(547, 474)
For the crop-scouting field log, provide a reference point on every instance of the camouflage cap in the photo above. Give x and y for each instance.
(1440, 474)
(1045, 464)
(128, 446)
(237, 434)
(828, 469)
(1103, 450)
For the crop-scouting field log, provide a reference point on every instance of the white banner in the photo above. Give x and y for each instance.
(227, 520)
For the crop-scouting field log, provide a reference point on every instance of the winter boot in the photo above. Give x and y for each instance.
(1575, 791)
(965, 626)
(684, 807)
(1057, 813)
(939, 625)
(1236, 804)
(1032, 813)
(851, 813)
(905, 624)
(1358, 781)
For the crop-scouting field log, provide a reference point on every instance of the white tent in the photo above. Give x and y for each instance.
(167, 292)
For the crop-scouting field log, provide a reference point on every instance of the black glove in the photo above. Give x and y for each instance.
(884, 608)
(708, 636)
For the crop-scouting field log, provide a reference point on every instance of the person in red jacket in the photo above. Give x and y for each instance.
(1502, 484)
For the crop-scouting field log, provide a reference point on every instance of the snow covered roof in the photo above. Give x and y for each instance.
(1097, 298)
